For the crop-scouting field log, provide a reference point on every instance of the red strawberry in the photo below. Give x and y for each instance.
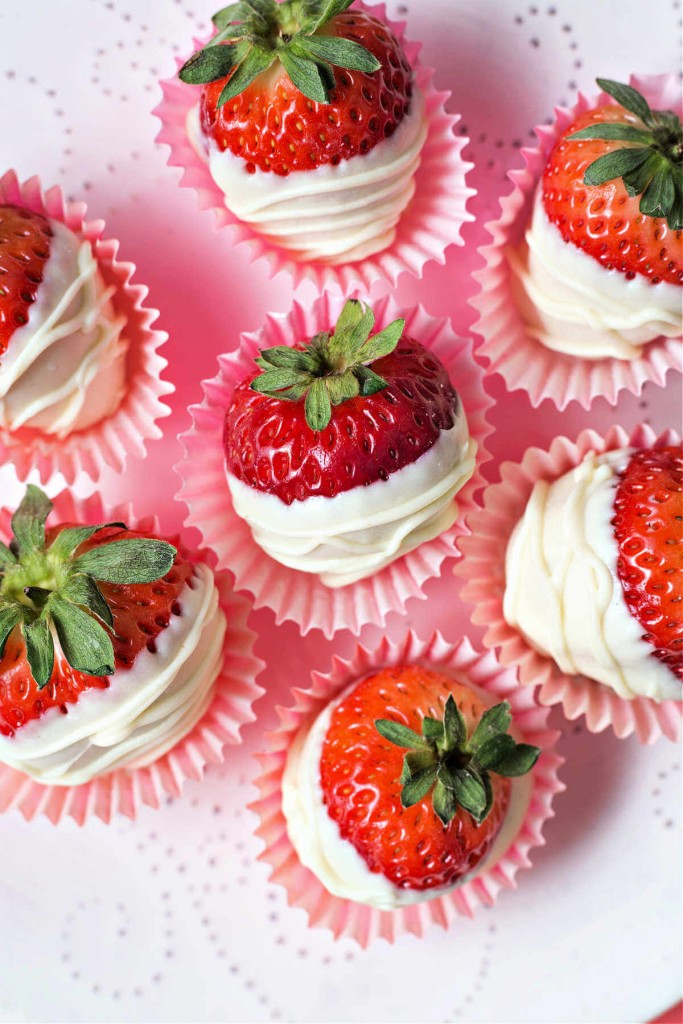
(107, 593)
(648, 526)
(302, 114)
(622, 204)
(275, 441)
(25, 240)
(426, 820)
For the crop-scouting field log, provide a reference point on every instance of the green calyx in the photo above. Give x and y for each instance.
(455, 767)
(651, 166)
(331, 368)
(253, 34)
(50, 591)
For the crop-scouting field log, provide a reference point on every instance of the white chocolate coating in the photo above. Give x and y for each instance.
(562, 589)
(66, 368)
(334, 860)
(332, 213)
(357, 532)
(144, 712)
(572, 304)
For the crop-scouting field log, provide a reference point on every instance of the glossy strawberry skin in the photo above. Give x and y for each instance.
(648, 526)
(269, 446)
(603, 220)
(280, 130)
(25, 241)
(360, 771)
(140, 612)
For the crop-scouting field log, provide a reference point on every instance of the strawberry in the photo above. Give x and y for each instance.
(104, 592)
(648, 526)
(25, 239)
(272, 97)
(427, 819)
(592, 184)
(286, 432)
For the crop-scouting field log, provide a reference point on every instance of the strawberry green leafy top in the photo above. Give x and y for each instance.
(651, 166)
(253, 34)
(456, 767)
(50, 587)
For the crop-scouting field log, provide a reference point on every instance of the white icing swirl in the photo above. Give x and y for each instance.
(572, 304)
(145, 711)
(66, 368)
(357, 532)
(562, 590)
(332, 213)
(335, 861)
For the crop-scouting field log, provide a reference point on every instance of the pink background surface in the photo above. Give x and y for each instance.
(187, 925)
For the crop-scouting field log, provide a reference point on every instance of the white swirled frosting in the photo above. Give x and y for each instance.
(335, 861)
(562, 590)
(333, 213)
(66, 368)
(574, 305)
(357, 532)
(145, 711)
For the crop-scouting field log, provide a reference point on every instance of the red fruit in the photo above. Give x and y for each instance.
(604, 220)
(25, 239)
(360, 772)
(274, 127)
(140, 611)
(648, 526)
(269, 445)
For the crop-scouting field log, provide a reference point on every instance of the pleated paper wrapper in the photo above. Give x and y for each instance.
(483, 568)
(345, 918)
(524, 362)
(108, 443)
(124, 792)
(290, 594)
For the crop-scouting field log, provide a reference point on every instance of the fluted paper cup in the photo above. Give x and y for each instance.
(432, 222)
(298, 596)
(483, 568)
(346, 918)
(126, 791)
(524, 362)
(108, 443)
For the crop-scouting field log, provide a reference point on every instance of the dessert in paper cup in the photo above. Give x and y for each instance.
(343, 168)
(573, 565)
(126, 663)
(80, 371)
(336, 770)
(334, 483)
(582, 291)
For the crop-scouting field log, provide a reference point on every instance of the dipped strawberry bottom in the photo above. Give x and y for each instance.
(347, 452)
(319, 148)
(594, 571)
(62, 347)
(111, 641)
(404, 787)
(599, 271)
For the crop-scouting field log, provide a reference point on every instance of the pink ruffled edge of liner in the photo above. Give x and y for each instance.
(297, 596)
(109, 442)
(345, 918)
(483, 568)
(506, 347)
(431, 223)
(124, 792)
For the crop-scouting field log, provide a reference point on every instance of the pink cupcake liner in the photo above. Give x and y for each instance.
(483, 567)
(125, 792)
(108, 443)
(431, 223)
(522, 361)
(298, 596)
(357, 921)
